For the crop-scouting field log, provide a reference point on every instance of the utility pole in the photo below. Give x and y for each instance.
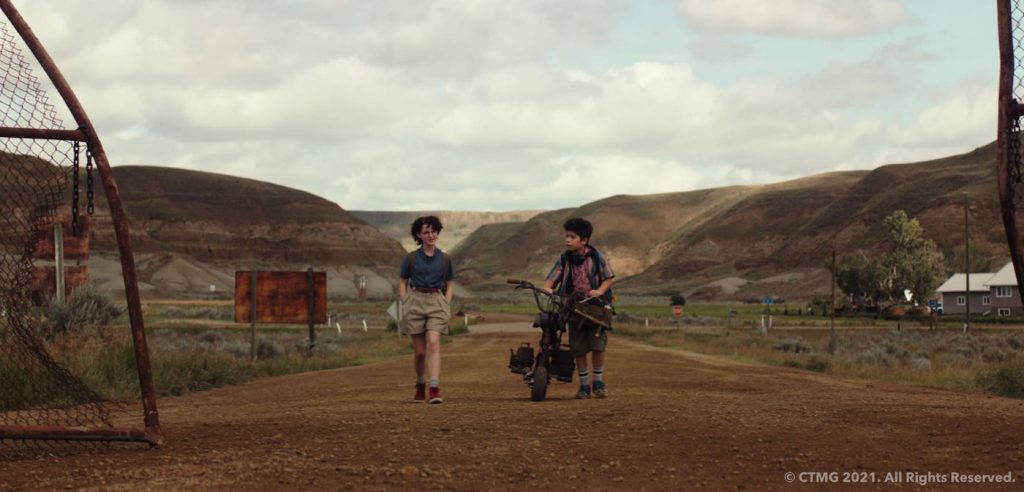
(832, 315)
(967, 264)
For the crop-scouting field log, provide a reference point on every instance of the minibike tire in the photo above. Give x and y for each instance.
(539, 389)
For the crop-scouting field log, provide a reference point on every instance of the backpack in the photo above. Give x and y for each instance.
(446, 264)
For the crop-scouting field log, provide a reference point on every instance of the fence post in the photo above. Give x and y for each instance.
(252, 313)
(310, 302)
(58, 259)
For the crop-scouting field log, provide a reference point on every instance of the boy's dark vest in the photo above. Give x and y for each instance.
(446, 264)
(565, 283)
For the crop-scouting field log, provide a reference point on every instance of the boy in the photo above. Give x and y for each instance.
(425, 288)
(582, 271)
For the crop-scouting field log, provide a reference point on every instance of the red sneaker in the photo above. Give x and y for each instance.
(435, 395)
(421, 390)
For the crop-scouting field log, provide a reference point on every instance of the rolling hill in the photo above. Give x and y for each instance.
(457, 224)
(746, 241)
(191, 230)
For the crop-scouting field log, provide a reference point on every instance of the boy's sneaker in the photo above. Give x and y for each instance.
(599, 389)
(421, 393)
(583, 393)
(435, 395)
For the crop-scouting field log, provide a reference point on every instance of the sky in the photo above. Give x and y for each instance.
(504, 105)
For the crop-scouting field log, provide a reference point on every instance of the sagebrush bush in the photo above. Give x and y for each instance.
(794, 346)
(86, 307)
(219, 313)
(1004, 379)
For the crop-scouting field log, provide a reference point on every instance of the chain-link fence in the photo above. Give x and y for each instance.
(52, 372)
(1016, 22)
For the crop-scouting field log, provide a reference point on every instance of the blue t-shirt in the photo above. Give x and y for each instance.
(427, 271)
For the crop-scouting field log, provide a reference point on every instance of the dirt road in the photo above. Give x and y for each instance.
(673, 421)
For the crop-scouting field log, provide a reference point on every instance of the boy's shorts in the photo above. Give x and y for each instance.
(582, 339)
(422, 311)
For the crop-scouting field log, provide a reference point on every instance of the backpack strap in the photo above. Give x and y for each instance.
(566, 273)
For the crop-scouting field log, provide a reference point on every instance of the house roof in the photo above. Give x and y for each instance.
(1005, 276)
(958, 283)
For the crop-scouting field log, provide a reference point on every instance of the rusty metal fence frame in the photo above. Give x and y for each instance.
(151, 433)
(1010, 15)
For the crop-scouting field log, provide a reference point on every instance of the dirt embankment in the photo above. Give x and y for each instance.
(672, 421)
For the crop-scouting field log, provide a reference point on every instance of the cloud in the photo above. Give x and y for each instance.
(884, 75)
(958, 120)
(642, 104)
(717, 48)
(460, 104)
(601, 176)
(804, 18)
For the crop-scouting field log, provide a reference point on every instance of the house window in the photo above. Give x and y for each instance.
(1004, 311)
(1003, 292)
(961, 300)
(986, 300)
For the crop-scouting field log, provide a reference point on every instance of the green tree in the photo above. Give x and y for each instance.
(914, 263)
(678, 300)
(861, 278)
(953, 256)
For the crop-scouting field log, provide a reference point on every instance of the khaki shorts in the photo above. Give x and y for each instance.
(587, 337)
(423, 311)
(582, 339)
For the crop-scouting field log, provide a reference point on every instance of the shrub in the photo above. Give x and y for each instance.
(1014, 342)
(211, 336)
(813, 364)
(795, 346)
(270, 349)
(678, 299)
(1005, 379)
(87, 307)
(921, 363)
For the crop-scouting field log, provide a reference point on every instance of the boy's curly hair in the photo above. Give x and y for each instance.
(580, 226)
(417, 226)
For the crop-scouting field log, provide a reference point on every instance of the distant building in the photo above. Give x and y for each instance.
(953, 295)
(991, 293)
(1005, 292)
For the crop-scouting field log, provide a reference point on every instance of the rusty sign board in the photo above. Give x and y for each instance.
(44, 281)
(281, 297)
(75, 247)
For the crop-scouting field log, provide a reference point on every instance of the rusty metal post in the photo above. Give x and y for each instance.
(252, 313)
(967, 265)
(43, 134)
(57, 433)
(153, 434)
(311, 309)
(1008, 109)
